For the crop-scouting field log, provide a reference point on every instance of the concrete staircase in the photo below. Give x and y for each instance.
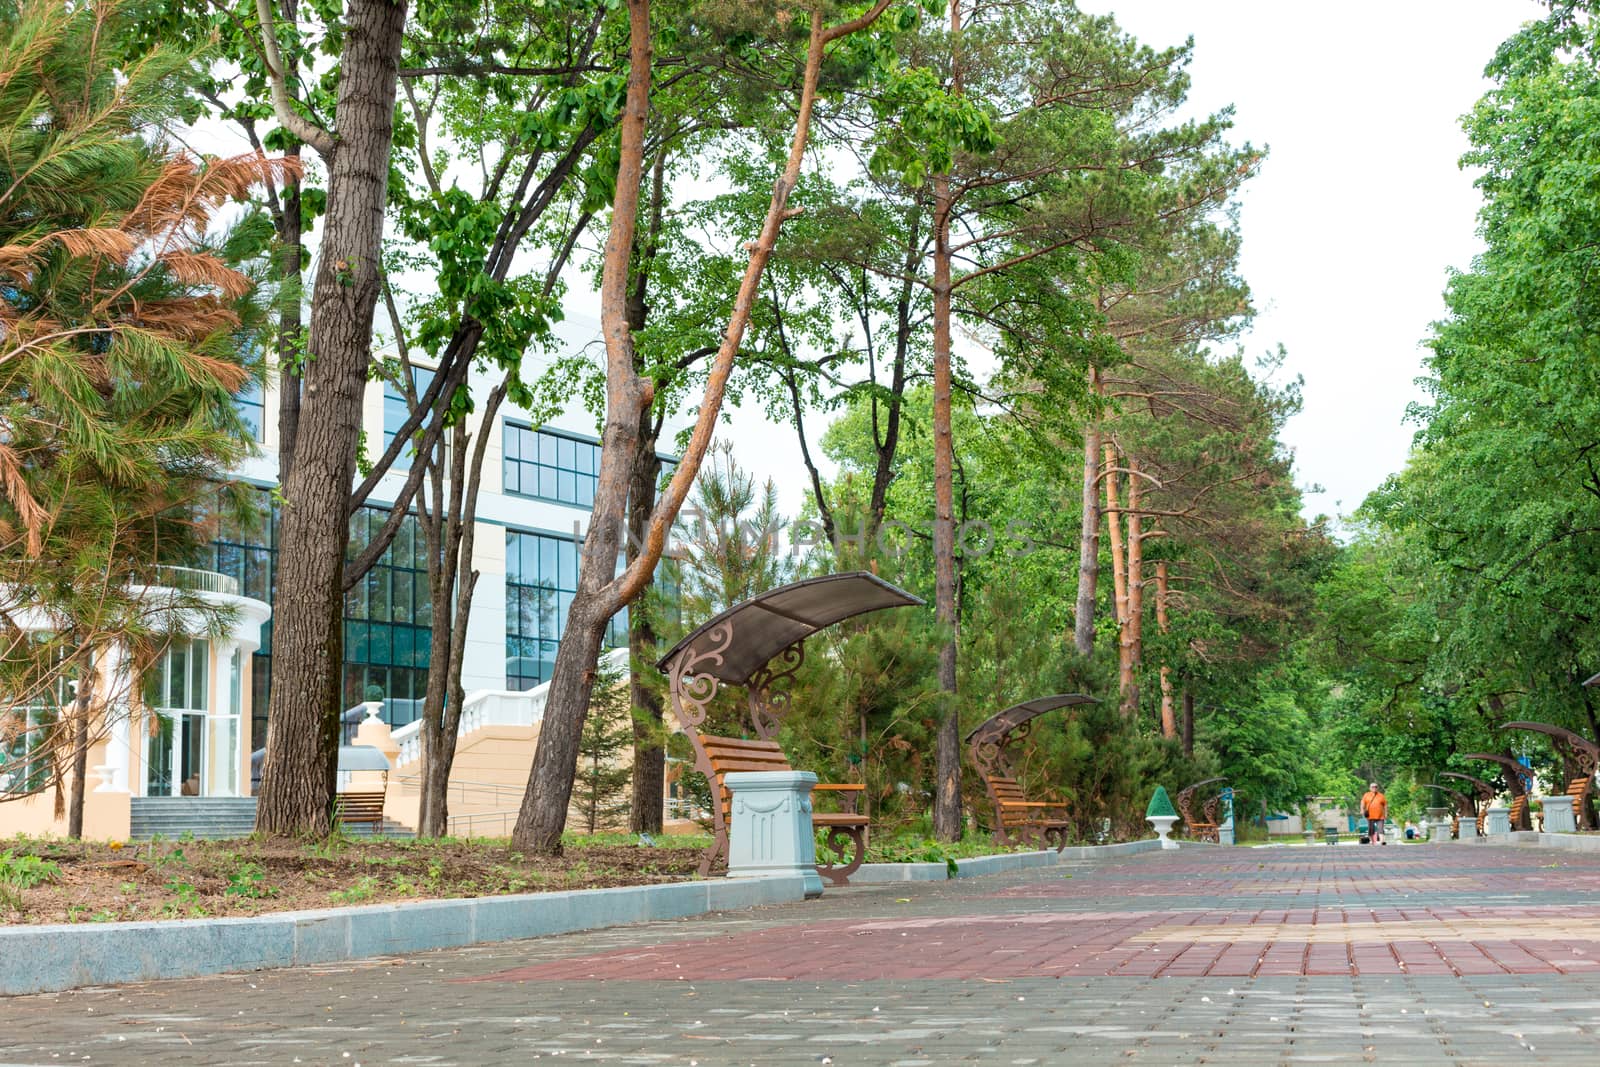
(221, 817)
(200, 817)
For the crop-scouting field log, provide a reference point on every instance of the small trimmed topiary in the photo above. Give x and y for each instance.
(1160, 805)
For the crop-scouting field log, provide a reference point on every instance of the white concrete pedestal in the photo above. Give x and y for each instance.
(1558, 816)
(1498, 821)
(771, 827)
(1163, 825)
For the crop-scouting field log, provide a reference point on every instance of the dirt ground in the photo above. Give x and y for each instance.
(49, 881)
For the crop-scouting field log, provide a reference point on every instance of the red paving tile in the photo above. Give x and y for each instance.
(987, 937)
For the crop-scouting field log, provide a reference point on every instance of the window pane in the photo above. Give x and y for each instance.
(511, 441)
(547, 450)
(566, 453)
(568, 577)
(566, 486)
(547, 482)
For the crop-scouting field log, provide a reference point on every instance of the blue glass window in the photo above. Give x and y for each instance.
(550, 465)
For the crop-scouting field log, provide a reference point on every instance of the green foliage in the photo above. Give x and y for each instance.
(249, 882)
(26, 872)
(1467, 598)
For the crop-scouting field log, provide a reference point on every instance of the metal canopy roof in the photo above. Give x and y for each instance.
(732, 646)
(1593, 681)
(362, 758)
(1017, 714)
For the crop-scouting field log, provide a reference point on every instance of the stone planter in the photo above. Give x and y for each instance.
(1163, 825)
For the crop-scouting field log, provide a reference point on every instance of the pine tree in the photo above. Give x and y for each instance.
(601, 794)
(121, 346)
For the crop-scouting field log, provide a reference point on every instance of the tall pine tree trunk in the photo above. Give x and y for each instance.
(1119, 576)
(307, 664)
(1089, 534)
(1135, 631)
(1169, 723)
(947, 749)
(649, 758)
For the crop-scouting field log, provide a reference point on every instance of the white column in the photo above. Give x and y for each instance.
(222, 723)
(117, 769)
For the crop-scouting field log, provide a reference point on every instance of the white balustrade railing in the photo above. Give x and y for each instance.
(197, 581)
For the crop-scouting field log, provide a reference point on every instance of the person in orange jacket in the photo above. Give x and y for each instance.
(1375, 808)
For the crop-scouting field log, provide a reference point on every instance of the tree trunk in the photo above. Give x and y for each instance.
(947, 796)
(1089, 535)
(1188, 724)
(947, 751)
(83, 699)
(291, 259)
(649, 758)
(1119, 576)
(886, 445)
(1135, 630)
(307, 664)
(1169, 725)
(601, 592)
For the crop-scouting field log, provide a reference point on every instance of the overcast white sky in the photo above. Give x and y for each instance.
(1360, 208)
(1355, 218)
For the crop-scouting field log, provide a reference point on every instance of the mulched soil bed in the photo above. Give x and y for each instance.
(193, 879)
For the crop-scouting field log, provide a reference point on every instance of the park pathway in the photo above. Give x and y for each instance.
(1403, 954)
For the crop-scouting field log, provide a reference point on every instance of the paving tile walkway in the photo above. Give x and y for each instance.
(1404, 954)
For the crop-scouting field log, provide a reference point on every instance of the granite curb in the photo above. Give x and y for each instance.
(43, 959)
(885, 873)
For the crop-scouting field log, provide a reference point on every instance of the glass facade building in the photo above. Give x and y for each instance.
(388, 616)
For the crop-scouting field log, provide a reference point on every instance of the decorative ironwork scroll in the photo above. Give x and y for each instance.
(769, 691)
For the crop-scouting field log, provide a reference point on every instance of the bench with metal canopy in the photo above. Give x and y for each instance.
(1516, 780)
(1483, 792)
(352, 805)
(1018, 817)
(759, 645)
(1579, 758)
(1464, 806)
(1205, 828)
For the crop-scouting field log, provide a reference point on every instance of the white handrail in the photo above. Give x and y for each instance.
(506, 817)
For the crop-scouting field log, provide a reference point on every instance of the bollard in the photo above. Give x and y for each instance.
(771, 826)
(1439, 821)
(1497, 822)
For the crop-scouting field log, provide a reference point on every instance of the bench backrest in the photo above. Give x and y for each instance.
(728, 754)
(1578, 789)
(1008, 790)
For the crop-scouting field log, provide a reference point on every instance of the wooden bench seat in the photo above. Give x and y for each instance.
(1020, 820)
(846, 829)
(359, 807)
